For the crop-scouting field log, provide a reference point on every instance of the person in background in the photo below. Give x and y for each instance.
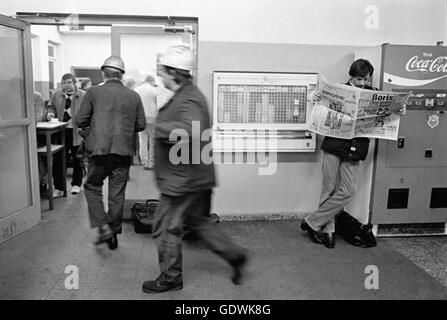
(130, 83)
(341, 161)
(148, 95)
(64, 105)
(40, 115)
(113, 115)
(86, 84)
(185, 187)
(40, 112)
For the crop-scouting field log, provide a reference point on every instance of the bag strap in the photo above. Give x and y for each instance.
(151, 200)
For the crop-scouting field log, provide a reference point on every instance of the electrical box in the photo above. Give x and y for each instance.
(262, 112)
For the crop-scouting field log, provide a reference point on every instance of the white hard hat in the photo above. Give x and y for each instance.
(114, 62)
(179, 57)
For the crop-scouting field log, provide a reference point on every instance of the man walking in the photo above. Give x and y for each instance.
(185, 186)
(148, 95)
(113, 113)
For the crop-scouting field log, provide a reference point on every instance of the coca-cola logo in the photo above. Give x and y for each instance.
(438, 64)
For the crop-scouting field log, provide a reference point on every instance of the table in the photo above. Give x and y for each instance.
(48, 129)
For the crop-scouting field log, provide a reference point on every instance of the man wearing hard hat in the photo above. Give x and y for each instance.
(113, 114)
(185, 186)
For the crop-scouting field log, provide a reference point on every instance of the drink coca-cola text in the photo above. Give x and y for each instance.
(438, 64)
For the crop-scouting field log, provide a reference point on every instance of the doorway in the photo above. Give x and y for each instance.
(68, 46)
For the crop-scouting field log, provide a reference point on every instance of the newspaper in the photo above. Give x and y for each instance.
(348, 112)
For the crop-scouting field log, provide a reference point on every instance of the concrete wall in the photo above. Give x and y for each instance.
(41, 35)
(296, 185)
(85, 50)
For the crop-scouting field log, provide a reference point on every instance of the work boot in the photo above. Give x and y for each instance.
(159, 286)
(238, 268)
(113, 242)
(105, 233)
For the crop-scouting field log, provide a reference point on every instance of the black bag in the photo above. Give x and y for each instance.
(144, 215)
(354, 232)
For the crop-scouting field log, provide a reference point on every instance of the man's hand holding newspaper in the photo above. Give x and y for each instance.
(347, 112)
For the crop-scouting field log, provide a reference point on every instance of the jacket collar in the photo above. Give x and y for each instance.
(365, 87)
(176, 94)
(75, 94)
(114, 81)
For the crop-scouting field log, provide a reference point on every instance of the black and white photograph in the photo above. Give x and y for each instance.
(163, 151)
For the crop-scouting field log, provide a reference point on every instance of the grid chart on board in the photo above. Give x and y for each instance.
(261, 103)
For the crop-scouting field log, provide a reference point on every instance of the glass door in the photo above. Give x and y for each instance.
(19, 196)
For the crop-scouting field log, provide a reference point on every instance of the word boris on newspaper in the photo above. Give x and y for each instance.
(348, 112)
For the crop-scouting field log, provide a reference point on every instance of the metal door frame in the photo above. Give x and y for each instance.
(124, 23)
(22, 220)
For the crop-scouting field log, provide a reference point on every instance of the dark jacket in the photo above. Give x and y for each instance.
(57, 106)
(192, 174)
(350, 149)
(114, 114)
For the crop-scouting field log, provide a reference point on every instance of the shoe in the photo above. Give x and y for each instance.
(75, 189)
(158, 286)
(329, 240)
(315, 236)
(43, 188)
(113, 242)
(57, 193)
(238, 267)
(105, 233)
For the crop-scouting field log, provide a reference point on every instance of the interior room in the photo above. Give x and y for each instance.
(257, 64)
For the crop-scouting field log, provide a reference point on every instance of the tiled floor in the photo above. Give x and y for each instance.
(284, 264)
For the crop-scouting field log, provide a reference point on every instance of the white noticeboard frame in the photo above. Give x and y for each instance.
(255, 111)
(305, 82)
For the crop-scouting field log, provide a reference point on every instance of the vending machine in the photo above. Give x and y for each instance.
(409, 184)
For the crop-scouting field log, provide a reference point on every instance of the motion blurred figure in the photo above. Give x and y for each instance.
(185, 187)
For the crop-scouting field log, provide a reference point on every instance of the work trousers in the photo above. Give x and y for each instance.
(340, 179)
(116, 168)
(70, 152)
(193, 208)
(147, 145)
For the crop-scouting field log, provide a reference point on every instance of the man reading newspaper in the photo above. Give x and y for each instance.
(348, 113)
